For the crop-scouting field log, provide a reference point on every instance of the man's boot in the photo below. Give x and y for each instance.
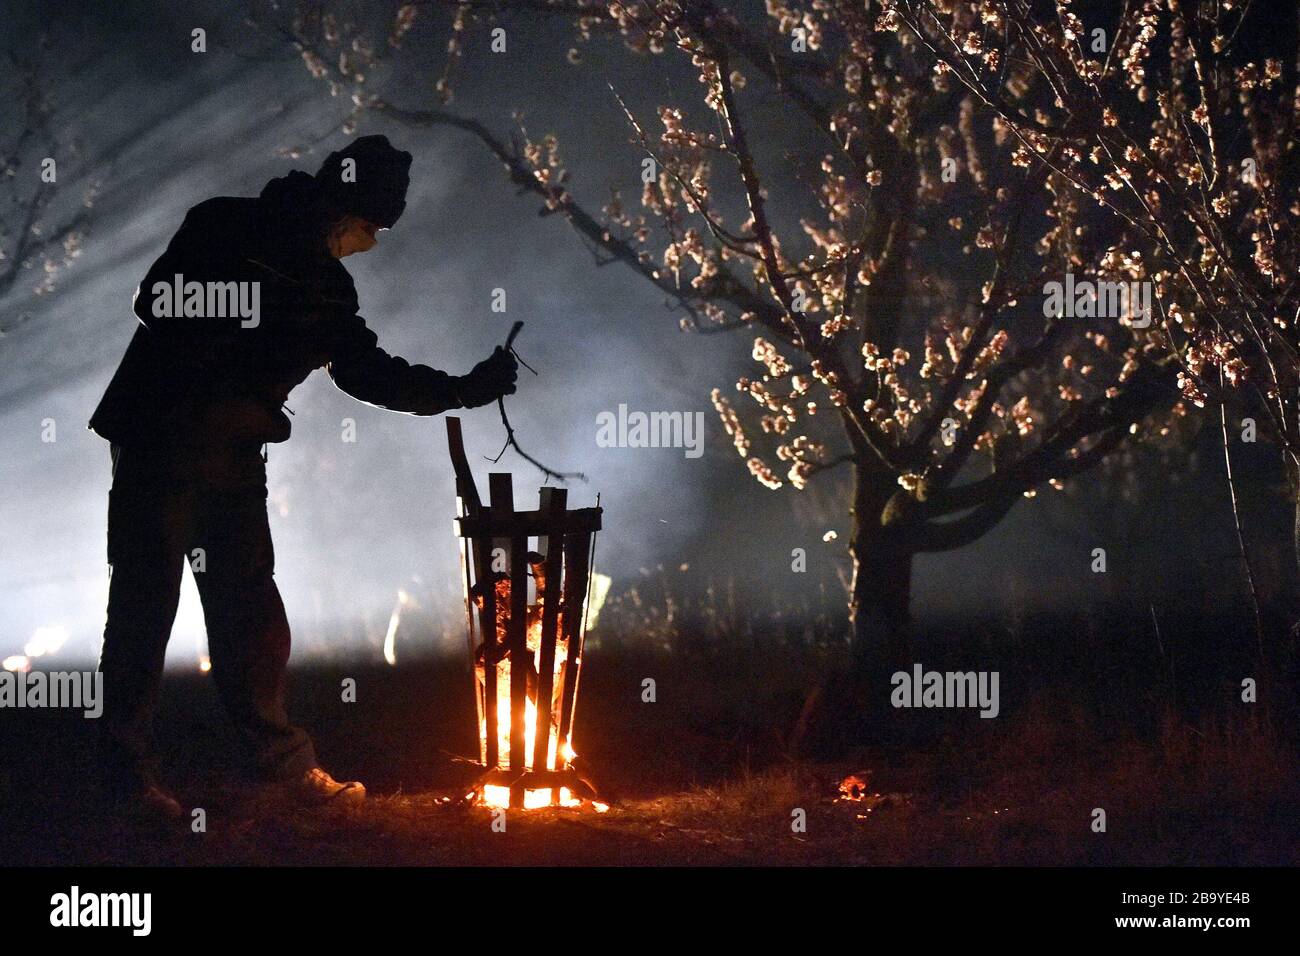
(317, 788)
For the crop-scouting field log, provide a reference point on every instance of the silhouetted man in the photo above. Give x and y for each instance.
(248, 299)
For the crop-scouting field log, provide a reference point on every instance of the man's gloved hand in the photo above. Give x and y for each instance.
(489, 380)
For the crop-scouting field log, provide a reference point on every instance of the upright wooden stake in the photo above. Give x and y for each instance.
(552, 502)
(501, 493)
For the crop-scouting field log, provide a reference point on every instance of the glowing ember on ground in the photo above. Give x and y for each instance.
(856, 789)
(855, 786)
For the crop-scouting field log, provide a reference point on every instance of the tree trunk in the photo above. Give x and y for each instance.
(1295, 540)
(879, 605)
(848, 708)
(1287, 602)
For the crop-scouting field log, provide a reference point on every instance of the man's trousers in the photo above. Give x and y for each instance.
(165, 508)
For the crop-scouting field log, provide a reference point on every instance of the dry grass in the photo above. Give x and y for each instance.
(701, 776)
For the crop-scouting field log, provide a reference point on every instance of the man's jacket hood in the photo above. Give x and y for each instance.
(295, 197)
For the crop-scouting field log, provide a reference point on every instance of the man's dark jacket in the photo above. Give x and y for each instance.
(209, 384)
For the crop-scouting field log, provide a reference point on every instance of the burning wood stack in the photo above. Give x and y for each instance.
(527, 655)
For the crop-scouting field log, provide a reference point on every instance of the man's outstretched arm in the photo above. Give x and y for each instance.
(368, 373)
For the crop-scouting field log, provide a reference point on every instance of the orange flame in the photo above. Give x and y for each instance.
(498, 796)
